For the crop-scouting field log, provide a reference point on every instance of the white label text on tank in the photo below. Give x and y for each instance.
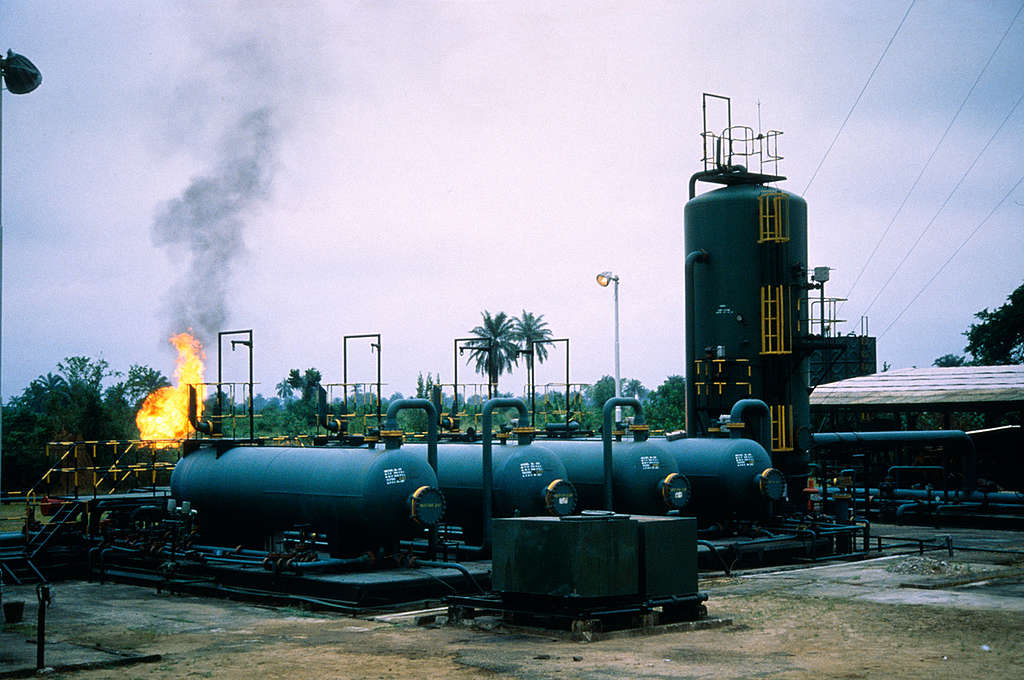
(744, 460)
(531, 468)
(394, 475)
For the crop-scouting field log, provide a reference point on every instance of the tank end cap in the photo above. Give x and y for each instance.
(560, 498)
(772, 484)
(676, 491)
(426, 506)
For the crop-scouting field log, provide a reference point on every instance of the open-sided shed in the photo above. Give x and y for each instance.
(994, 392)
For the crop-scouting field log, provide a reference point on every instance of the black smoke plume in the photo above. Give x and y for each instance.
(207, 224)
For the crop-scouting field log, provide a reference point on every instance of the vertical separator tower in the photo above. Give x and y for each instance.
(747, 329)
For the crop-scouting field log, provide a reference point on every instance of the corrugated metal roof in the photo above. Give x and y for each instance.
(957, 385)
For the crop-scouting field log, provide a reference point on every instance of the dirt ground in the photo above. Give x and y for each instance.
(841, 621)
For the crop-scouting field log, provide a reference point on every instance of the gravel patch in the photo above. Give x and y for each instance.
(928, 566)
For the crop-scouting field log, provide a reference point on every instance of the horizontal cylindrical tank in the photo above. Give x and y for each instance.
(645, 479)
(730, 478)
(361, 499)
(529, 480)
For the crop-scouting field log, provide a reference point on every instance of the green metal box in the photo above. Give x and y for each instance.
(598, 555)
(668, 550)
(577, 556)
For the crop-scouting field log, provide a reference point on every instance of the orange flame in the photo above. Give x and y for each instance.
(164, 414)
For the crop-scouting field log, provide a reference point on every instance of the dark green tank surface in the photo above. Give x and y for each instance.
(363, 497)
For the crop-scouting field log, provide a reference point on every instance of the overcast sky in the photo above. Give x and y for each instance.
(311, 170)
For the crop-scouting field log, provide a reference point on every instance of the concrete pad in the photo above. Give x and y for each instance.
(18, 656)
(945, 598)
(987, 586)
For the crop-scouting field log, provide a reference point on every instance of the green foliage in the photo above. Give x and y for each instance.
(284, 390)
(141, 382)
(600, 392)
(306, 383)
(634, 388)
(998, 338)
(950, 360)
(300, 414)
(71, 405)
(415, 420)
(603, 390)
(495, 351)
(278, 419)
(532, 328)
(666, 408)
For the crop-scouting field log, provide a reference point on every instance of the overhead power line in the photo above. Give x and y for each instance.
(942, 207)
(950, 258)
(857, 100)
(935, 150)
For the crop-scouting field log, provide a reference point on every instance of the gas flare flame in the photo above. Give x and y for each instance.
(164, 414)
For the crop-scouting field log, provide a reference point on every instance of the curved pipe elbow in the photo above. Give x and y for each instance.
(606, 439)
(204, 426)
(391, 424)
(486, 464)
(740, 413)
(903, 509)
(725, 169)
(334, 425)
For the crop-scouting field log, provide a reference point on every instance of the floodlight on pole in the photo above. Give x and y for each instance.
(20, 76)
(603, 279)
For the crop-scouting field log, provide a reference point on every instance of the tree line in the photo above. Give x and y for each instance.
(997, 339)
(85, 400)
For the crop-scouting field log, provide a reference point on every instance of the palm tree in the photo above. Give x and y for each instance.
(285, 391)
(533, 332)
(532, 329)
(306, 382)
(495, 352)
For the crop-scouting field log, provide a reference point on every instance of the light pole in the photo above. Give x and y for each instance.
(603, 279)
(21, 77)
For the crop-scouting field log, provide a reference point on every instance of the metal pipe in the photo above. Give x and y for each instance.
(391, 424)
(739, 412)
(221, 551)
(43, 596)
(1009, 498)
(606, 438)
(723, 170)
(567, 384)
(532, 378)
(344, 365)
(618, 379)
(902, 509)
(204, 426)
(455, 375)
(328, 563)
(448, 565)
(378, 381)
(487, 482)
(248, 562)
(882, 439)
(697, 256)
(220, 378)
(331, 425)
(252, 413)
(714, 551)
